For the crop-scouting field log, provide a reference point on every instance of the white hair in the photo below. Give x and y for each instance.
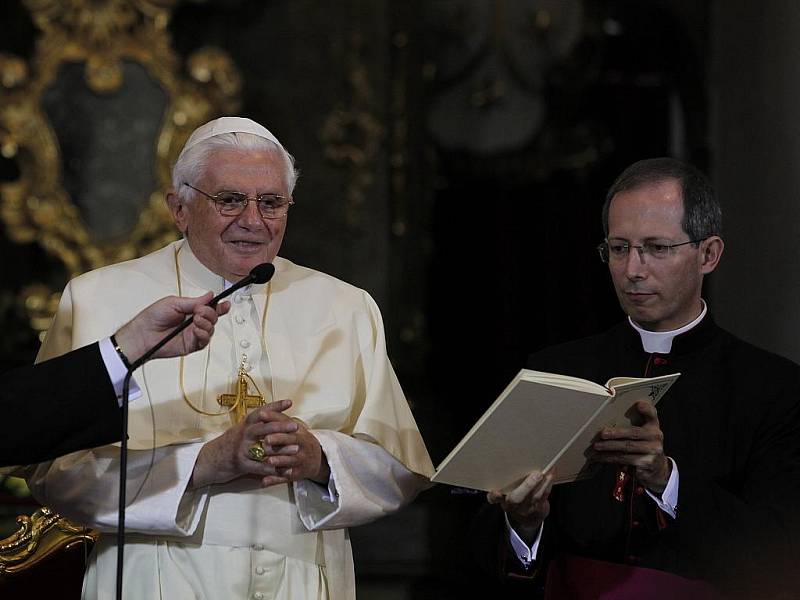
(193, 162)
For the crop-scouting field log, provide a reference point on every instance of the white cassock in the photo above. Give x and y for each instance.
(308, 337)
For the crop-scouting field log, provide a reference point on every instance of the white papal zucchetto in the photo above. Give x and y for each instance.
(229, 125)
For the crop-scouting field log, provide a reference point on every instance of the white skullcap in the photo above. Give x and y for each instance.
(229, 125)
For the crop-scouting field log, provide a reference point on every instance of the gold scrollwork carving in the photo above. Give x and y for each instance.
(39, 535)
(100, 35)
(352, 135)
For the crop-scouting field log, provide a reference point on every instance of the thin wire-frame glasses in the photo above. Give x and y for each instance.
(231, 204)
(613, 251)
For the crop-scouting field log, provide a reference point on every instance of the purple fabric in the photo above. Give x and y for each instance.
(575, 578)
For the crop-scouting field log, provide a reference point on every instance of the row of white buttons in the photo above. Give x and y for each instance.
(239, 319)
(259, 571)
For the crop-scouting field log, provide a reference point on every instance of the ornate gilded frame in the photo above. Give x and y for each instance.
(35, 208)
(100, 34)
(38, 537)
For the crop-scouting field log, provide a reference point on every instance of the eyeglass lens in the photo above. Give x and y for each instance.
(235, 202)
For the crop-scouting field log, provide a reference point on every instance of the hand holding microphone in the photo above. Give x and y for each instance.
(167, 312)
(158, 319)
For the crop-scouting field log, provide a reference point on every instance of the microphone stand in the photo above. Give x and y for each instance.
(260, 274)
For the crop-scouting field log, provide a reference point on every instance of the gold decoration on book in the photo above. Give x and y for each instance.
(112, 63)
(241, 402)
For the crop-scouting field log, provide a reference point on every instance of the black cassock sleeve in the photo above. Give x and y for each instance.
(57, 407)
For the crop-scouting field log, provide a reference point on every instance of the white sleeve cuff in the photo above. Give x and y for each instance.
(117, 370)
(333, 494)
(668, 502)
(524, 554)
(165, 504)
(366, 483)
(316, 503)
(82, 486)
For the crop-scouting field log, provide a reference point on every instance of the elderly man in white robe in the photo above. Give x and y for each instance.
(249, 460)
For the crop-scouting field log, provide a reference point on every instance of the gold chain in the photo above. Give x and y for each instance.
(208, 350)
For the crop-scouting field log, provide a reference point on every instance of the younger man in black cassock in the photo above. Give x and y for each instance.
(708, 487)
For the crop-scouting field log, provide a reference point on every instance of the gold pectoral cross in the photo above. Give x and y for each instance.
(241, 402)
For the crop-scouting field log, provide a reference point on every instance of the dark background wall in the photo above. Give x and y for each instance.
(454, 157)
(756, 131)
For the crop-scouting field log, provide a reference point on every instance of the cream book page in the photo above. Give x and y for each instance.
(618, 410)
(539, 421)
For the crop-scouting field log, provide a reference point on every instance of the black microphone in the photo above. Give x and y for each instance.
(260, 274)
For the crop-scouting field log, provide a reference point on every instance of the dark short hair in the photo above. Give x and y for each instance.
(702, 214)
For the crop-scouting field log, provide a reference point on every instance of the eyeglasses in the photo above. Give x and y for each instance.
(231, 204)
(616, 250)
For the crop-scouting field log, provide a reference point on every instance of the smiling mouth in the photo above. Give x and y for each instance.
(245, 246)
(245, 243)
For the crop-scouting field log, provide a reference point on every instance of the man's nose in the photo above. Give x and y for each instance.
(250, 217)
(635, 263)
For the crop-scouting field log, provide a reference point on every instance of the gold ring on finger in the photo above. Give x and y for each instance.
(256, 452)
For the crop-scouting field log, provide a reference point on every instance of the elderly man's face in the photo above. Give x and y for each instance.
(232, 246)
(660, 294)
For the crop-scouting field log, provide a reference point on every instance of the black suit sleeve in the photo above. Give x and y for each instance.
(748, 521)
(493, 554)
(57, 407)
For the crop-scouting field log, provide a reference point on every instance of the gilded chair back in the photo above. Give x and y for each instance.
(92, 123)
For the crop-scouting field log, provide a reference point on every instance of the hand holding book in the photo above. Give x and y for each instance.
(638, 445)
(527, 505)
(550, 423)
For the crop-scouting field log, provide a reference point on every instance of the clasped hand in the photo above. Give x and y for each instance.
(292, 451)
(641, 446)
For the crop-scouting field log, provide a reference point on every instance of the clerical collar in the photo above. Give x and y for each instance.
(200, 275)
(193, 271)
(661, 341)
(245, 291)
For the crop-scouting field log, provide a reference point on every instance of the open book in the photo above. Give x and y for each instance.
(544, 421)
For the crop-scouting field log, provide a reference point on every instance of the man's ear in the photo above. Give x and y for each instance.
(178, 209)
(710, 253)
